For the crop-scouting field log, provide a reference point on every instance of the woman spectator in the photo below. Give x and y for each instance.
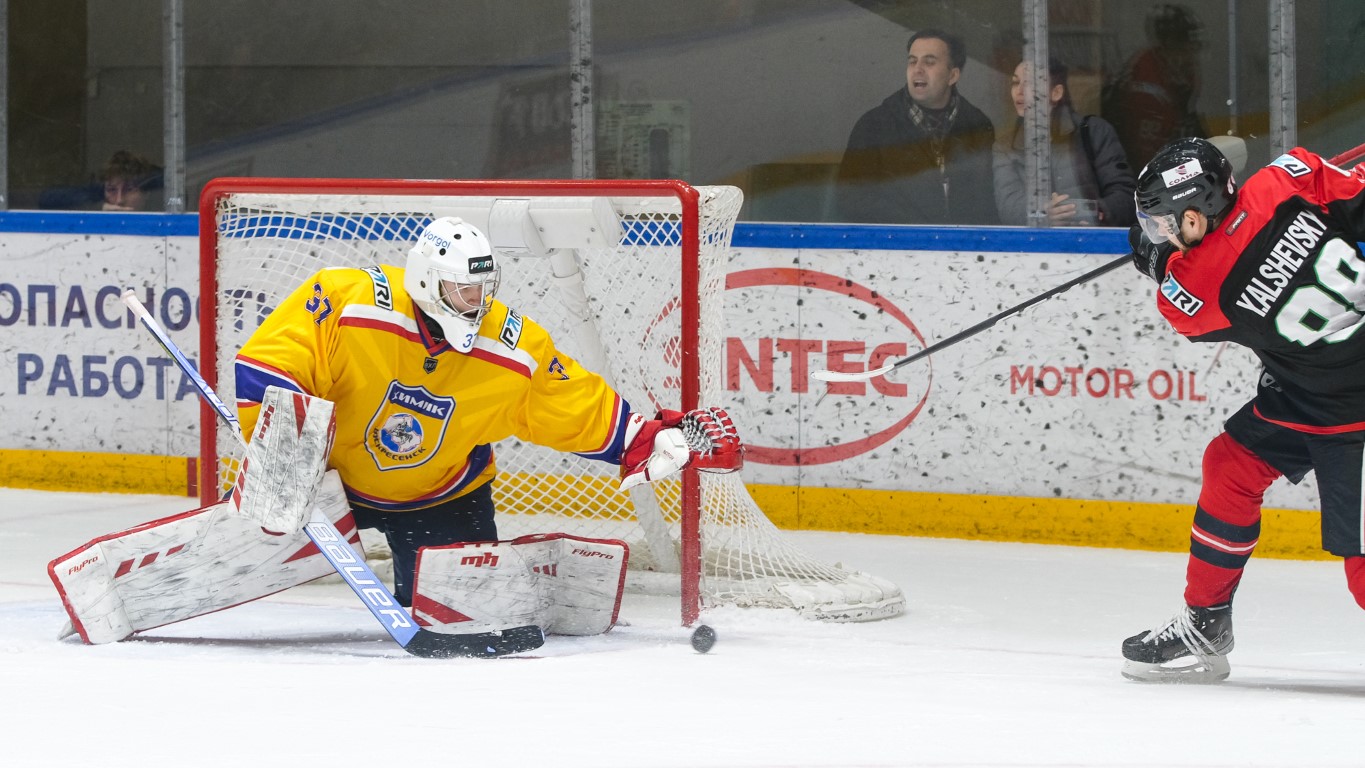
(1092, 183)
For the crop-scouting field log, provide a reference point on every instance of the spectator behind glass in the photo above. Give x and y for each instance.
(924, 155)
(1092, 182)
(1151, 102)
(125, 183)
(127, 179)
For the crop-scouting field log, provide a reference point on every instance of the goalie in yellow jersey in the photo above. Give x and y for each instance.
(427, 369)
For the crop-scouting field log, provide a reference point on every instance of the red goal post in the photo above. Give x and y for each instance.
(628, 277)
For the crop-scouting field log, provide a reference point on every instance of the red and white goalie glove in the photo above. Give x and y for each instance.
(705, 439)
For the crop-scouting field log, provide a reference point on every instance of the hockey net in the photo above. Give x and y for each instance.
(628, 277)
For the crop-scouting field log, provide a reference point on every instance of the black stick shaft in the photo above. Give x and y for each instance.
(1014, 310)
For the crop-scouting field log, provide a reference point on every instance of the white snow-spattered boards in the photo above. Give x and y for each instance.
(1087, 396)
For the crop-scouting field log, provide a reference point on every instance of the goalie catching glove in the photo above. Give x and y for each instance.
(705, 439)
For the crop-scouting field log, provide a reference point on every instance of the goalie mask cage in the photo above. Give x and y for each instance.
(627, 276)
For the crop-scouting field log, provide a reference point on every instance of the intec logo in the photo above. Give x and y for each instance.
(784, 323)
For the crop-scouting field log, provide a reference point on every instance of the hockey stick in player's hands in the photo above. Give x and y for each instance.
(968, 333)
(348, 563)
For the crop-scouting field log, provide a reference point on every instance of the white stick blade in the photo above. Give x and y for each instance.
(855, 376)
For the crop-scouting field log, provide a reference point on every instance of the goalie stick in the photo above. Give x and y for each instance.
(970, 332)
(348, 563)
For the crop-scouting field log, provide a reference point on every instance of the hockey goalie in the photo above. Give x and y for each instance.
(378, 408)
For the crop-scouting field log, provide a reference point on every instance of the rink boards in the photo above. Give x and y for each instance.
(1080, 421)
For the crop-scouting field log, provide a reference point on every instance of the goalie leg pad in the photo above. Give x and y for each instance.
(285, 460)
(463, 519)
(476, 587)
(585, 578)
(186, 565)
(564, 584)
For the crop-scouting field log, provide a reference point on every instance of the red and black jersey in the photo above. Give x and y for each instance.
(1282, 274)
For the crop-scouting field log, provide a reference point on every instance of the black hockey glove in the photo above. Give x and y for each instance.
(1149, 258)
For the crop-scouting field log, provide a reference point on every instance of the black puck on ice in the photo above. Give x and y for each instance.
(703, 638)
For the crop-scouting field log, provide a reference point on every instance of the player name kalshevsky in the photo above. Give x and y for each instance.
(1287, 255)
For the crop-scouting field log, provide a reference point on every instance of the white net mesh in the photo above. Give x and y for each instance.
(615, 302)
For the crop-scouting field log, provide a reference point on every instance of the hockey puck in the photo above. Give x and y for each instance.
(703, 638)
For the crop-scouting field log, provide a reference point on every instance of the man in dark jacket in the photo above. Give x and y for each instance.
(924, 155)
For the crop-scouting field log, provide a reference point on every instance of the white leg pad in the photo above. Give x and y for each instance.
(187, 565)
(285, 460)
(476, 587)
(564, 584)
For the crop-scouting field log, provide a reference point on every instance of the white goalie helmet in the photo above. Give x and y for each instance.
(452, 276)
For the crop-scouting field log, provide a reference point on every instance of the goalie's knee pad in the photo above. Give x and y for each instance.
(186, 565)
(564, 584)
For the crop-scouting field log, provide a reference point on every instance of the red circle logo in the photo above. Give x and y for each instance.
(773, 344)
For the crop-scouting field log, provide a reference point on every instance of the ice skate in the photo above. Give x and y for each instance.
(1190, 648)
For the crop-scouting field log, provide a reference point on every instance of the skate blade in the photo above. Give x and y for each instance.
(1216, 669)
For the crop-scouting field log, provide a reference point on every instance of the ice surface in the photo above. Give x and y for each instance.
(1008, 656)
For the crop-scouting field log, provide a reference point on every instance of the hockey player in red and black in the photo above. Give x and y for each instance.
(1274, 266)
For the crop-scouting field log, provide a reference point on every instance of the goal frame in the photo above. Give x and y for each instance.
(690, 544)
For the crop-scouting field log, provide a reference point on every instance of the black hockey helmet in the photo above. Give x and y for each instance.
(1185, 174)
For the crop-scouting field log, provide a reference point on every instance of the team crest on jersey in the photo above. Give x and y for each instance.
(383, 293)
(1180, 298)
(408, 427)
(556, 369)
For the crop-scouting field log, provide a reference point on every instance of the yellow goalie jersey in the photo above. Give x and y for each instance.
(415, 418)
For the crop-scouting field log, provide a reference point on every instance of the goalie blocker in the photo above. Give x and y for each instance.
(285, 460)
